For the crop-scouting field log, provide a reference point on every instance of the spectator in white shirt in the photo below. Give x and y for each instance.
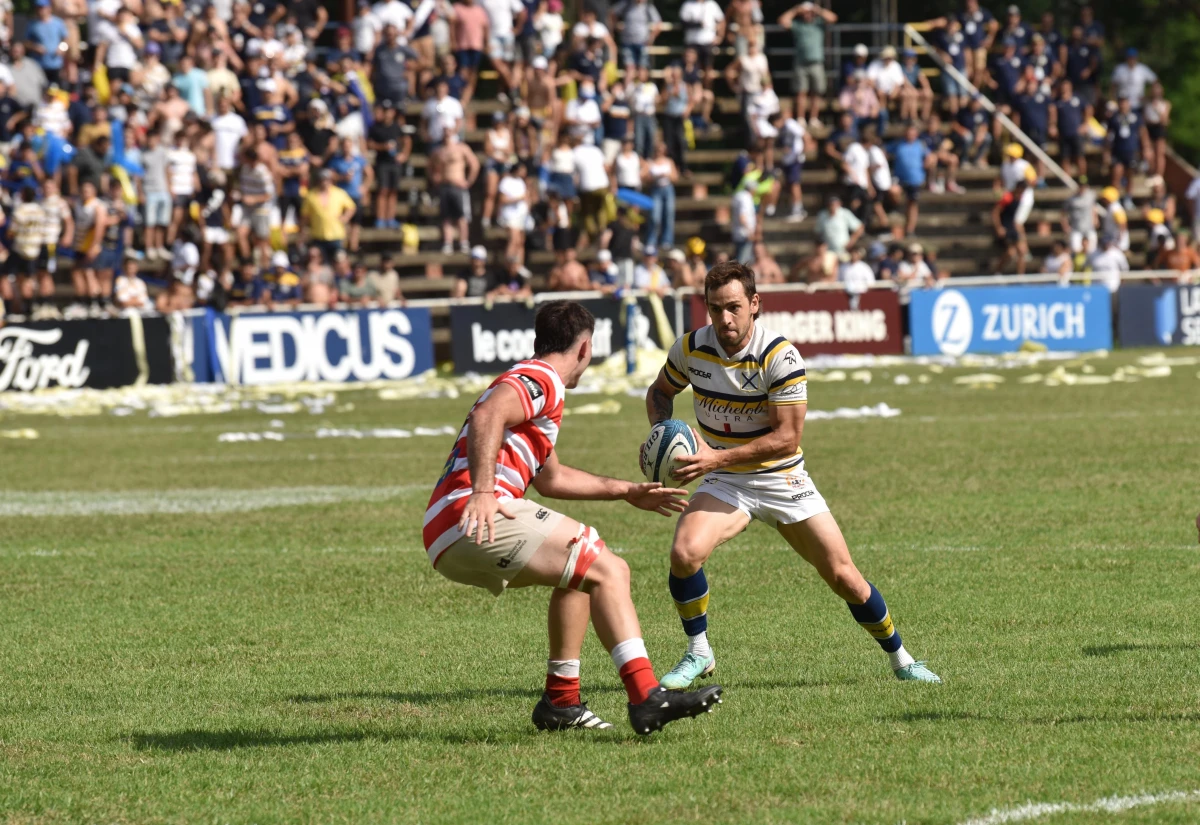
(887, 76)
(1059, 263)
(856, 275)
(744, 219)
(593, 189)
(1129, 79)
(703, 27)
(1108, 263)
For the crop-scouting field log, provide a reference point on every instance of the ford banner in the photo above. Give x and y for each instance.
(1158, 316)
(1002, 318)
(95, 353)
(281, 347)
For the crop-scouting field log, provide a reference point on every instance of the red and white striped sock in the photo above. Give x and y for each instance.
(633, 664)
(562, 682)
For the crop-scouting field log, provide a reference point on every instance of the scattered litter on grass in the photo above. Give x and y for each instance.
(902, 380)
(861, 375)
(980, 379)
(1107, 805)
(335, 432)
(1162, 359)
(24, 433)
(880, 410)
(830, 376)
(606, 407)
(144, 502)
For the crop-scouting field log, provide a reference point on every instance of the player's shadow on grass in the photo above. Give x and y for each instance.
(228, 740)
(425, 697)
(1078, 719)
(1128, 647)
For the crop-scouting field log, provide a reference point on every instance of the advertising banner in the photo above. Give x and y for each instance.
(828, 323)
(490, 340)
(96, 353)
(1158, 316)
(281, 347)
(1002, 318)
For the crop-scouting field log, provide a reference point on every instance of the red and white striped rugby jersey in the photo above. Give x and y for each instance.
(524, 452)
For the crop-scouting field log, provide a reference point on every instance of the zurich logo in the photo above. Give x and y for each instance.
(952, 323)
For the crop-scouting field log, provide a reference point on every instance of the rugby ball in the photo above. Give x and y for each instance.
(667, 440)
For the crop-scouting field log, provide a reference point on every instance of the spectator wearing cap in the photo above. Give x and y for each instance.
(859, 58)
(325, 216)
(1044, 60)
(602, 273)
(1114, 221)
(1014, 170)
(1126, 137)
(979, 29)
(278, 283)
(1130, 79)
(1016, 30)
(393, 149)
(916, 96)
(475, 281)
(638, 23)
(569, 275)
(807, 23)
(46, 40)
(1082, 65)
(914, 271)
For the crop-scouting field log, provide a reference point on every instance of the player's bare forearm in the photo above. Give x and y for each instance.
(787, 425)
(557, 480)
(660, 400)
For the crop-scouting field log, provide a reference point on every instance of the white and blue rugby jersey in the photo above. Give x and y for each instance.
(733, 393)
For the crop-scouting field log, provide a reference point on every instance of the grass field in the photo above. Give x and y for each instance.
(250, 632)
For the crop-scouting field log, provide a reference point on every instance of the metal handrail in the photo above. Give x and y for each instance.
(1004, 119)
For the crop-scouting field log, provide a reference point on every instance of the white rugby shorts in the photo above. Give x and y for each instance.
(773, 498)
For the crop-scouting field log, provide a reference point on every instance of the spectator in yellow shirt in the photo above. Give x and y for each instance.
(326, 213)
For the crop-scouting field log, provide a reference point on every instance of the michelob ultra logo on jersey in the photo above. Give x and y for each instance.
(279, 347)
(1001, 319)
(1155, 316)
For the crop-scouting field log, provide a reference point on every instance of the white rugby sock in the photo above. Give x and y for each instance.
(900, 658)
(627, 651)
(698, 644)
(567, 668)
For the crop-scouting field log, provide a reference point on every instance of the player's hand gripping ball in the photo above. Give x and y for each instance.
(667, 440)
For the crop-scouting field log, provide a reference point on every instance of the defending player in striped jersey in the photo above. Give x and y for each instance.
(750, 395)
(480, 530)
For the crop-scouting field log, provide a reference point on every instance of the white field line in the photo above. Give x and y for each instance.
(144, 502)
(1107, 805)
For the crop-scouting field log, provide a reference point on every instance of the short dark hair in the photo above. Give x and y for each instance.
(724, 273)
(558, 325)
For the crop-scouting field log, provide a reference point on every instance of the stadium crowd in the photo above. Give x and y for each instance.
(217, 152)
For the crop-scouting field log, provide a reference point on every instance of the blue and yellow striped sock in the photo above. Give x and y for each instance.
(874, 617)
(691, 601)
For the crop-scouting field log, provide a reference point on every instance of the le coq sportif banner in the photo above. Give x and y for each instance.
(1002, 318)
(491, 339)
(93, 353)
(282, 347)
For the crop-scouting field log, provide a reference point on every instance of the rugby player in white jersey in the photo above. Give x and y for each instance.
(480, 530)
(750, 396)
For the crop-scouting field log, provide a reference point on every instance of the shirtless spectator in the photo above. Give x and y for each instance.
(453, 168)
(745, 25)
(569, 276)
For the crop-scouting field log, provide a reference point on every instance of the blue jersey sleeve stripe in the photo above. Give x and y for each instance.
(790, 376)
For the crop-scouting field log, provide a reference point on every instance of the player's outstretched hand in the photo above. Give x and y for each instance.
(688, 468)
(480, 514)
(651, 495)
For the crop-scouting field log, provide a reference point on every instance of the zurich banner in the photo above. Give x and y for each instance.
(1002, 318)
(1158, 316)
(280, 347)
